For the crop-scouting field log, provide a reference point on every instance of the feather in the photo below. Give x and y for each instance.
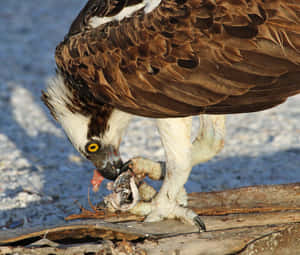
(184, 57)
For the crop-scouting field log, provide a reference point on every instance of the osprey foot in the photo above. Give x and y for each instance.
(143, 167)
(157, 211)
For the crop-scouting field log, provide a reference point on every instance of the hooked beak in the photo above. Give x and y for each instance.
(108, 162)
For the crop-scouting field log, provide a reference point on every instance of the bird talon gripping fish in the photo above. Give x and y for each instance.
(170, 60)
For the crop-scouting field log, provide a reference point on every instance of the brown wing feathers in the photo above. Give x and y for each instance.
(188, 57)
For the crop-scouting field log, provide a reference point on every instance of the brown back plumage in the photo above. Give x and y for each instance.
(187, 56)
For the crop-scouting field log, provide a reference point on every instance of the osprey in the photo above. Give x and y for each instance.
(170, 60)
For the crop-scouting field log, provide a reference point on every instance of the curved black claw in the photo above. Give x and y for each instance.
(163, 169)
(125, 166)
(200, 224)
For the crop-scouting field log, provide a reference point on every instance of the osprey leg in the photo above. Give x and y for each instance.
(175, 135)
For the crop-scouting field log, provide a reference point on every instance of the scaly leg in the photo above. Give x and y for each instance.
(175, 136)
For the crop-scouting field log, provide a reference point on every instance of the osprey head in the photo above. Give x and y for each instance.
(95, 130)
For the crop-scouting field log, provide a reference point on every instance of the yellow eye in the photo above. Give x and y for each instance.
(93, 147)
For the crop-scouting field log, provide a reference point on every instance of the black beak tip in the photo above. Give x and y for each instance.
(112, 171)
(109, 173)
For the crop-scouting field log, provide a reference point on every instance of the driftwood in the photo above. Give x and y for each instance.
(251, 220)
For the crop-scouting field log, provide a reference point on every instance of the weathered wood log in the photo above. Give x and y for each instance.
(251, 220)
(260, 240)
(263, 196)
